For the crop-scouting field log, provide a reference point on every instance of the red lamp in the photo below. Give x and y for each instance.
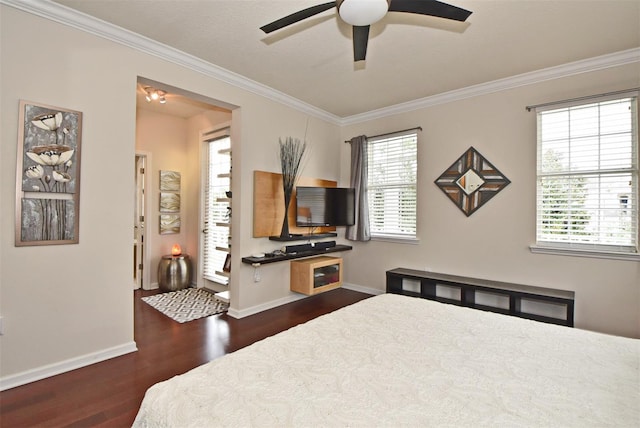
(176, 250)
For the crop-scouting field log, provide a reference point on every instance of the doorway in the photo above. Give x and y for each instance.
(190, 113)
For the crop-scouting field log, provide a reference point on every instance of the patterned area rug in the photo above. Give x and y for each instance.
(186, 305)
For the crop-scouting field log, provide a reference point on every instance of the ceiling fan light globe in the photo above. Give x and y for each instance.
(362, 12)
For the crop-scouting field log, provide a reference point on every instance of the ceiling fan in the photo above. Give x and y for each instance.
(362, 13)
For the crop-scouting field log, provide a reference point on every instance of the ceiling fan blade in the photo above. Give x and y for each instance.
(429, 7)
(296, 17)
(360, 41)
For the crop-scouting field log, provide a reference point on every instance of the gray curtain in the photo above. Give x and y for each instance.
(359, 171)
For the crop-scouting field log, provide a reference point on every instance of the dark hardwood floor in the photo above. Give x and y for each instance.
(109, 393)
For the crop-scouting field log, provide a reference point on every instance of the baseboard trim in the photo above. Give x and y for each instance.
(234, 313)
(153, 286)
(43, 372)
(362, 289)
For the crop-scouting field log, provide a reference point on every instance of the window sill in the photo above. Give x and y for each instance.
(396, 239)
(538, 249)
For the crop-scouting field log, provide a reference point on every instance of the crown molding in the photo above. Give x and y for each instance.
(70, 17)
(81, 21)
(584, 66)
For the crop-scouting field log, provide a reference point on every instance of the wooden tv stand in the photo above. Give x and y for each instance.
(511, 299)
(316, 274)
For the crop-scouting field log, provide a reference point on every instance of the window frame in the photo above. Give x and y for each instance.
(388, 235)
(599, 249)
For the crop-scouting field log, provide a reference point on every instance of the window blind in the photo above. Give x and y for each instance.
(217, 212)
(587, 167)
(391, 185)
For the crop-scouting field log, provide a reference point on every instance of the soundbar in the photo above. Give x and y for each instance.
(289, 249)
(324, 245)
(292, 249)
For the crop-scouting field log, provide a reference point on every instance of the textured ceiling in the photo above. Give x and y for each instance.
(409, 56)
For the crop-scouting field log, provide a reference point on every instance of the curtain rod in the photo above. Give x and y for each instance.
(391, 133)
(529, 108)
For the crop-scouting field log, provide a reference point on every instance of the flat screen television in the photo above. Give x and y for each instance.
(325, 206)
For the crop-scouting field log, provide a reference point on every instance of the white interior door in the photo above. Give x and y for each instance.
(139, 244)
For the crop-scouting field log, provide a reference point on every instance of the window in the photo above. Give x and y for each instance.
(391, 185)
(587, 179)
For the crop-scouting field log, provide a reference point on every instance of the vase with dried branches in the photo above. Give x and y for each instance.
(291, 154)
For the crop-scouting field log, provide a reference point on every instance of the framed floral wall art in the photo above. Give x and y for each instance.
(48, 175)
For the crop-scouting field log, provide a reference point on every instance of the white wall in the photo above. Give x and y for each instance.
(494, 242)
(260, 153)
(65, 302)
(66, 306)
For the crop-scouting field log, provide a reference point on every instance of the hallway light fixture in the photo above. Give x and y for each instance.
(152, 94)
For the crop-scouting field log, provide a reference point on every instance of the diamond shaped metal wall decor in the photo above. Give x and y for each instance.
(471, 181)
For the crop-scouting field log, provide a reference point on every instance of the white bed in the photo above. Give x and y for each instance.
(392, 361)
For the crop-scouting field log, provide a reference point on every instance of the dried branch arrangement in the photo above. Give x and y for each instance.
(291, 154)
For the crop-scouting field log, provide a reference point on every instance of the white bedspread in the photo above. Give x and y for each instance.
(396, 361)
